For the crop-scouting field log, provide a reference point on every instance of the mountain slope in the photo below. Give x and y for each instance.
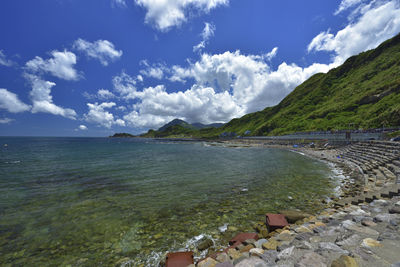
(364, 92)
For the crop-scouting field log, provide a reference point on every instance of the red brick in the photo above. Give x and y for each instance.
(179, 259)
(275, 221)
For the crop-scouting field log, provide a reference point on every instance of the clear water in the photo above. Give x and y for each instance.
(102, 202)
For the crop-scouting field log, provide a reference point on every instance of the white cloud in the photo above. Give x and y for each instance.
(226, 86)
(10, 102)
(207, 33)
(105, 94)
(102, 50)
(231, 84)
(82, 127)
(61, 65)
(102, 94)
(98, 115)
(155, 71)
(4, 61)
(376, 24)
(119, 3)
(43, 101)
(270, 55)
(346, 4)
(125, 85)
(5, 120)
(166, 14)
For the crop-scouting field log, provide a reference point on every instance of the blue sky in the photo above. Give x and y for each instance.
(95, 67)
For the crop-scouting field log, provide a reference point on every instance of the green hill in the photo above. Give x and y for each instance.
(361, 93)
(364, 92)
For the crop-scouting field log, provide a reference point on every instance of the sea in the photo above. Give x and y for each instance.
(128, 201)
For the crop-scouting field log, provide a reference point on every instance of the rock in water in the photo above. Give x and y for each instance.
(205, 244)
(293, 216)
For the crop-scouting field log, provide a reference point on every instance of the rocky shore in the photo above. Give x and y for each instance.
(359, 227)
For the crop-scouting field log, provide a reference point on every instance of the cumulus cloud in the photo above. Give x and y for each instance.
(4, 61)
(42, 100)
(346, 4)
(164, 15)
(10, 102)
(102, 50)
(102, 94)
(226, 86)
(61, 65)
(5, 120)
(125, 85)
(98, 114)
(376, 24)
(232, 84)
(155, 71)
(207, 33)
(82, 127)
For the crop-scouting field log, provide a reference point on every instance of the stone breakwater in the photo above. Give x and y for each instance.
(358, 228)
(366, 234)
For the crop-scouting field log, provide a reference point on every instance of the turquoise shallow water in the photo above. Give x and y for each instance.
(101, 201)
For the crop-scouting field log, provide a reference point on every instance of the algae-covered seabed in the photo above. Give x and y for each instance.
(85, 202)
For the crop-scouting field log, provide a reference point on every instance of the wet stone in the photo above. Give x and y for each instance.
(205, 244)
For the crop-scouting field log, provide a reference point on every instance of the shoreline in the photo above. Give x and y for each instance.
(277, 247)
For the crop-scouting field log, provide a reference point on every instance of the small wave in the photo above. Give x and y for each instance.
(223, 228)
(13, 162)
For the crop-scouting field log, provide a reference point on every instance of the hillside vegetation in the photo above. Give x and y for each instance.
(364, 92)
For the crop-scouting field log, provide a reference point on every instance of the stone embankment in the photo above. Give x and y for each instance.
(366, 234)
(360, 228)
(379, 165)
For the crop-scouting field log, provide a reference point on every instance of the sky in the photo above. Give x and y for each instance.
(96, 67)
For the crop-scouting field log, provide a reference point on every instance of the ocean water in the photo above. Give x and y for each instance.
(108, 202)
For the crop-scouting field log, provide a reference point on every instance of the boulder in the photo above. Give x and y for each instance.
(293, 216)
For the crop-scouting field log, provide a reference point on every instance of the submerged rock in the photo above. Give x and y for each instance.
(293, 216)
(205, 244)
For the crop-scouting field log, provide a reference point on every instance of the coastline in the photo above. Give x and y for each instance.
(350, 218)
